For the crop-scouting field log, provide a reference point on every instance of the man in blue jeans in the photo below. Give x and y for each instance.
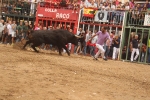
(108, 45)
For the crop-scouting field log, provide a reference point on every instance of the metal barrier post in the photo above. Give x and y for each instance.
(123, 34)
(83, 26)
(88, 27)
(110, 29)
(140, 48)
(99, 28)
(116, 33)
(146, 55)
(93, 28)
(128, 47)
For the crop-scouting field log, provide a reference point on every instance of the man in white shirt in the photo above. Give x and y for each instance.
(92, 4)
(87, 37)
(79, 31)
(13, 35)
(10, 30)
(93, 43)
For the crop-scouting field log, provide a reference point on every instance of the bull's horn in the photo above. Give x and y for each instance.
(77, 36)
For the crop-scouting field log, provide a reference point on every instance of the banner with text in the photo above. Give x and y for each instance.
(57, 13)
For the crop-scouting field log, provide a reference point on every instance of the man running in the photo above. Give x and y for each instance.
(103, 36)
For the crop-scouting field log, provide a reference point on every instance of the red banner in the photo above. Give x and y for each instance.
(57, 13)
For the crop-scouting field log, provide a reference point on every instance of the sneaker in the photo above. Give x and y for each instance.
(8, 44)
(12, 44)
(75, 53)
(105, 59)
(94, 58)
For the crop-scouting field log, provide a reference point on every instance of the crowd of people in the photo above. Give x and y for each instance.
(92, 42)
(75, 4)
(115, 8)
(97, 43)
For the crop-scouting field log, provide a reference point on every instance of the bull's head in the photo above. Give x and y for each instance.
(75, 39)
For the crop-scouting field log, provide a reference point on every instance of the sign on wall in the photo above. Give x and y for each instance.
(101, 16)
(147, 20)
(57, 13)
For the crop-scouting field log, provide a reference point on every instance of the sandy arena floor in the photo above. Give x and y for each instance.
(26, 75)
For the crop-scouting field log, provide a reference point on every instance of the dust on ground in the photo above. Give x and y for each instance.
(26, 75)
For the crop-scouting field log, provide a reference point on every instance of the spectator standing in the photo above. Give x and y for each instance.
(116, 41)
(134, 49)
(25, 30)
(108, 45)
(14, 26)
(92, 4)
(10, 30)
(5, 33)
(92, 45)
(87, 38)
(69, 44)
(37, 27)
(19, 32)
(80, 42)
(127, 7)
(79, 31)
(33, 6)
(148, 4)
(143, 52)
(1, 28)
(131, 4)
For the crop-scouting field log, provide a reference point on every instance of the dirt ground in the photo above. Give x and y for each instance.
(26, 75)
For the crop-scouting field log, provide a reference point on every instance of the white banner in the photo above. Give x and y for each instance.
(147, 20)
(101, 16)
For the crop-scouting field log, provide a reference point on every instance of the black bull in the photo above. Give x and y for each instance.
(59, 38)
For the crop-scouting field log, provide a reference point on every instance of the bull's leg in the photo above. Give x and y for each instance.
(28, 42)
(33, 46)
(66, 50)
(59, 49)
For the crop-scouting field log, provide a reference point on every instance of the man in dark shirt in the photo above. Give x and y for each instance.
(19, 32)
(25, 30)
(116, 41)
(134, 46)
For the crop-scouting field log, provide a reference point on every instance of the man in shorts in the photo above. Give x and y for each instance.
(10, 30)
(13, 35)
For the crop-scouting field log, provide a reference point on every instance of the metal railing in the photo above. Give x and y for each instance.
(135, 18)
(104, 17)
(18, 11)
